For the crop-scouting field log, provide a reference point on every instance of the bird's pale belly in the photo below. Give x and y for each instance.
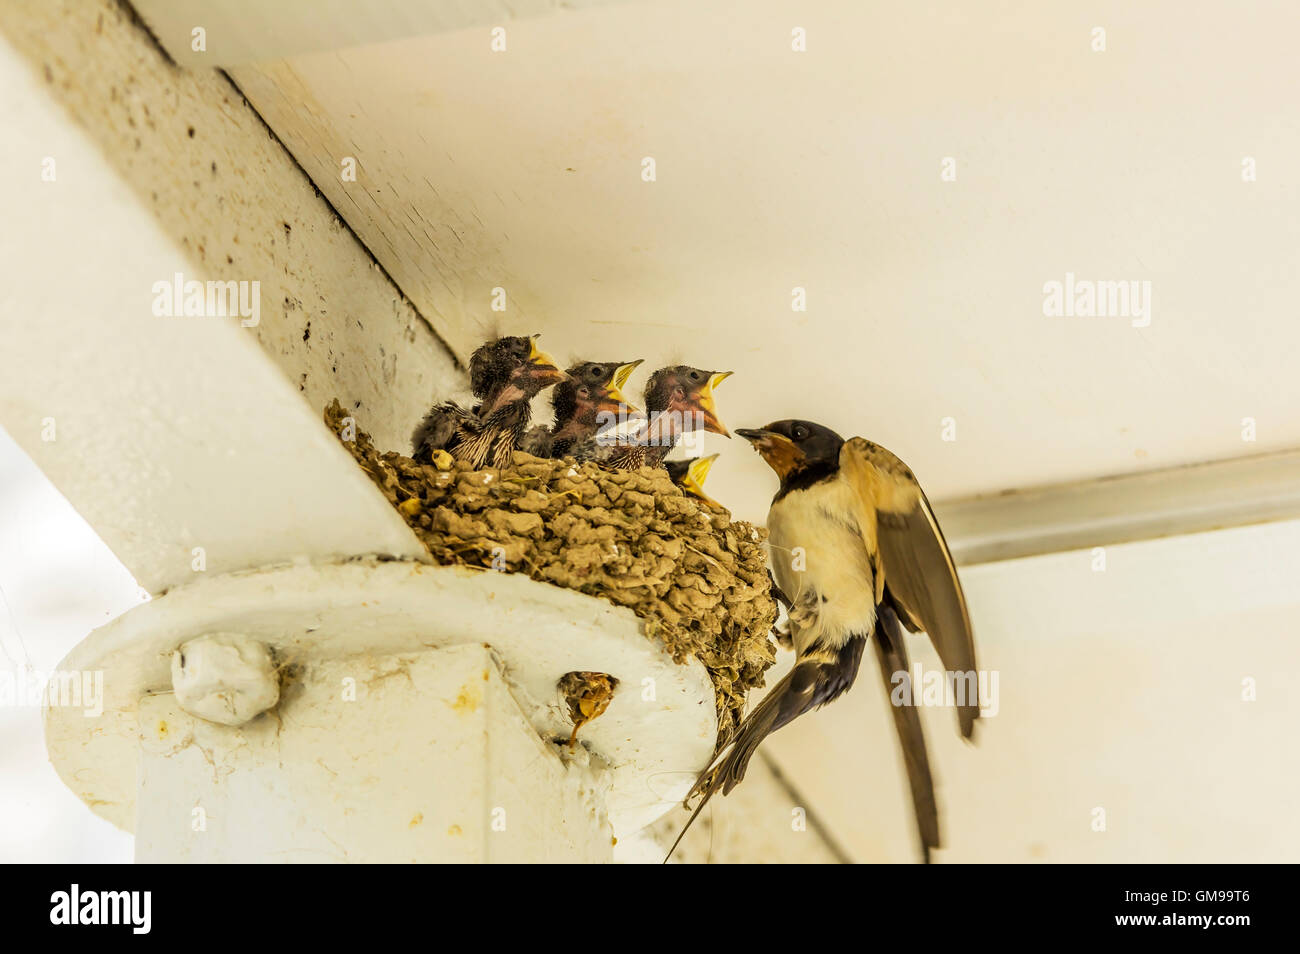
(817, 556)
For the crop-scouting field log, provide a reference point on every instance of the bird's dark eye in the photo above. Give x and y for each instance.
(597, 372)
(799, 432)
(696, 374)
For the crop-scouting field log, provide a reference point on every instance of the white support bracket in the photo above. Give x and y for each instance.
(418, 719)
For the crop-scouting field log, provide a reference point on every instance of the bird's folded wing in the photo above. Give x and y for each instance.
(915, 563)
(536, 441)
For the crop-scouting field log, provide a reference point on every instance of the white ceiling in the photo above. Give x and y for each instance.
(822, 169)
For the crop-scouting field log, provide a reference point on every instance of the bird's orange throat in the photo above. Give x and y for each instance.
(780, 453)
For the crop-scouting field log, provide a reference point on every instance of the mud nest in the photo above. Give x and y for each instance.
(697, 577)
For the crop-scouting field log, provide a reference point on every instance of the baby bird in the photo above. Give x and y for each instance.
(588, 399)
(679, 400)
(689, 475)
(505, 375)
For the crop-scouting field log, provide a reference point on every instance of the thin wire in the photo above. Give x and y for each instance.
(22, 644)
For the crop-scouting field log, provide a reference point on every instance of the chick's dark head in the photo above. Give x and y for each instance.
(591, 387)
(689, 392)
(516, 363)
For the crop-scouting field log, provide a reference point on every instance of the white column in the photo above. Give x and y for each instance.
(414, 715)
(402, 758)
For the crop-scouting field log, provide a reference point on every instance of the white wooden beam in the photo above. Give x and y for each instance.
(1123, 509)
(177, 438)
(249, 31)
(226, 193)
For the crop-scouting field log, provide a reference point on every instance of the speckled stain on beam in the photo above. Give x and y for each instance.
(225, 189)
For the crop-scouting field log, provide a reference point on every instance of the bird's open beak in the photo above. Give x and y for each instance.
(704, 401)
(613, 399)
(779, 451)
(695, 474)
(542, 368)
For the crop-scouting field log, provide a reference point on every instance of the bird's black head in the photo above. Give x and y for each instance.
(590, 388)
(515, 364)
(800, 452)
(686, 391)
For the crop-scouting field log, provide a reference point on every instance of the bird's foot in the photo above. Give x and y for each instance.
(777, 593)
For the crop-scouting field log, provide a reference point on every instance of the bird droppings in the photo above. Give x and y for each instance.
(696, 577)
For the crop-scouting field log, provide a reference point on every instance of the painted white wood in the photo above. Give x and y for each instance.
(228, 678)
(177, 438)
(656, 735)
(247, 31)
(424, 764)
(1123, 509)
(230, 199)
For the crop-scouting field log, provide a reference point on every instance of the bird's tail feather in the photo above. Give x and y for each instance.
(789, 698)
(728, 766)
(891, 650)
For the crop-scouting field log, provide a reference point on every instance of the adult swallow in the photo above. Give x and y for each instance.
(505, 375)
(589, 398)
(873, 561)
(678, 400)
(689, 475)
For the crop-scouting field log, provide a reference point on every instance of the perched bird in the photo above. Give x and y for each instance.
(678, 400)
(505, 375)
(873, 562)
(689, 475)
(589, 397)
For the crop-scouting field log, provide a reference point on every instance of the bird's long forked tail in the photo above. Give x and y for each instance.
(891, 651)
(789, 698)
